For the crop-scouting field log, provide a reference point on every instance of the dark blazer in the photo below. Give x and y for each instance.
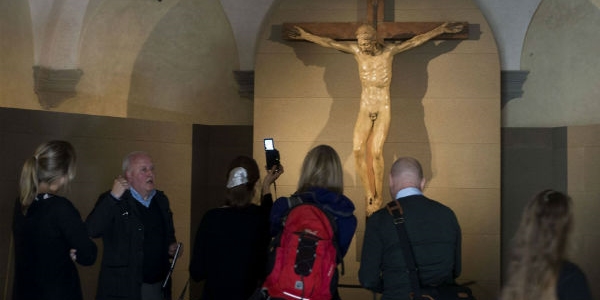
(119, 224)
(43, 238)
(435, 237)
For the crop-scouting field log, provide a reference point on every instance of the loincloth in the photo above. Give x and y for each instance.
(373, 116)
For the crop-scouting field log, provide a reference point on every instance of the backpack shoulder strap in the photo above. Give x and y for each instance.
(395, 209)
(293, 200)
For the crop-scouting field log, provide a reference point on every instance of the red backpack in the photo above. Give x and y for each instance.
(304, 255)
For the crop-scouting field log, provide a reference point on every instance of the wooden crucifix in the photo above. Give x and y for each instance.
(374, 57)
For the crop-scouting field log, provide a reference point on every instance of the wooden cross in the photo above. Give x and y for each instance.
(392, 31)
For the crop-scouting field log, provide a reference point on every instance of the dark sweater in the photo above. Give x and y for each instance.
(572, 283)
(155, 250)
(230, 250)
(43, 238)
(435, 237)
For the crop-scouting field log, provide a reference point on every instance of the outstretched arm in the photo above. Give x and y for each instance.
(300, 33)
(422, 38)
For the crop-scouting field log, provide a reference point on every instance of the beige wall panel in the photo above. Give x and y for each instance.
(576, 170)
(462, 120)
(313, 75)
(322, 11)
(408, 121)
(586, 206)
(466, 75)
(445, 75)
(583, 156)
(583, 152)
(306, 119)
(480, 264)
(355, 294)
(580, 136)
(584, 243)
(476, 209)
(418, 150)
(465, 165)
(592, 169)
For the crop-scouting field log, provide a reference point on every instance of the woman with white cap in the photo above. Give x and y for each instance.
(230, 249)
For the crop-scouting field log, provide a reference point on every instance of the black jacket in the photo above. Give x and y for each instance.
(230, 250)
(572, 283)
(435, 236)
(43, 238)
(118, 223)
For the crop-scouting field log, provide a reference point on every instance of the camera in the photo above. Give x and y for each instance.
(271, 153)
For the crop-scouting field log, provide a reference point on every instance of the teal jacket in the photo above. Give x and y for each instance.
(435, 236)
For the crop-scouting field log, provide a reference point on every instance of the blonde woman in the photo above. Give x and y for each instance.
(538, 268)
(321, 183)
(48, 231)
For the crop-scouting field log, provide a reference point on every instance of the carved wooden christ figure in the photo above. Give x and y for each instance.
(374, 58)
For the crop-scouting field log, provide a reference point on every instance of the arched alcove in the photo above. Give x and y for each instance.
(445, 112)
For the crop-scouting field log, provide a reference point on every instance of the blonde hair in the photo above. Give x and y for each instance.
(539, 247)
(321, 168)
(51, 161)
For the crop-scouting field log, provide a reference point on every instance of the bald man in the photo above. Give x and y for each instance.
(432, 229)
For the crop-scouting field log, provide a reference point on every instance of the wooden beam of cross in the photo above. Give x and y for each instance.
(391, 31)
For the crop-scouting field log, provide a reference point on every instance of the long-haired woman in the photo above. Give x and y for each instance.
(48, 231)
(321, 182)
(538, 268)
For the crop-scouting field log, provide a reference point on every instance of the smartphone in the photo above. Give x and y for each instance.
(271, 153)
(269, 144)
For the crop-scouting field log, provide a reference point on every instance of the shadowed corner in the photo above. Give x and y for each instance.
(474, 32)
(276, 31)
